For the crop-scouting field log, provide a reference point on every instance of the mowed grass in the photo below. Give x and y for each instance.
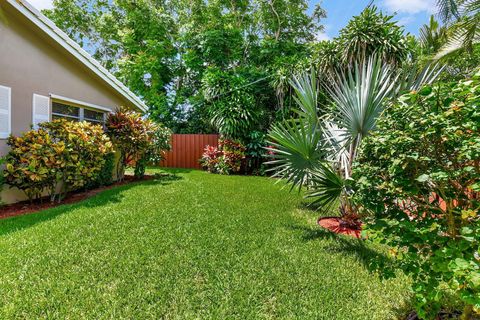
(189, 246)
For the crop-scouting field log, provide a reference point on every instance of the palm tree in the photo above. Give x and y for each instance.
(463, 16)
(319, 152)
(432, 36)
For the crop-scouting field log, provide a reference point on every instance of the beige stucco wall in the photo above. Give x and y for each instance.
(31, 62)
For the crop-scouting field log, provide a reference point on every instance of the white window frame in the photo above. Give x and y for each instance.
(81, 105)
(5, 136)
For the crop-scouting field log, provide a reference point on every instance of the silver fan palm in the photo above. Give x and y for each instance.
(319, 152)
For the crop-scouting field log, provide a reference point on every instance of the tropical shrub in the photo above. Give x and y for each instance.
(105, 176)
(86, 146)
(233, 113)
(132, 136)
(418, 176)
(155, 152)
(210, 158)
(233, 155)
(256, 152)
(71, 153)
(226, 159)
(33, 162)
(373, 32)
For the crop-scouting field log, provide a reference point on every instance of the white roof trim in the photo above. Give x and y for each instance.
(72, 47)
(80, 103)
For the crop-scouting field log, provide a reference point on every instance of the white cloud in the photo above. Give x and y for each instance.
(410, 6)
(406, 20)
(323, 36)
(41, 4)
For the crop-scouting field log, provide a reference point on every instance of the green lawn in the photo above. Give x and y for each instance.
(193, 245)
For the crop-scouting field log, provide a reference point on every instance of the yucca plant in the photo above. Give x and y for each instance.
(319, 151)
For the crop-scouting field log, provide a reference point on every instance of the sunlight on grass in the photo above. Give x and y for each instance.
(189, 245)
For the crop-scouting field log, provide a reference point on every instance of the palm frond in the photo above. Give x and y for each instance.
(296, 150)
(359, 96)
(306, 91)
(412, 79)
(448, 9)
(326, 187)
(336, 141)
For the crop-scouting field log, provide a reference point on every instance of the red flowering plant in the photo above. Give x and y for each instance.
(226, 159)
(210, 158)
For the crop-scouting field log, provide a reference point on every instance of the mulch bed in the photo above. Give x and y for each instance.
(335, 225)
(25, 207)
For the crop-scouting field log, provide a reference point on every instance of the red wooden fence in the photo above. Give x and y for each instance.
(187, 149)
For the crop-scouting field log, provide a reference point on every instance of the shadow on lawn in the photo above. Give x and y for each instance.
(114, 195)
(369, 257)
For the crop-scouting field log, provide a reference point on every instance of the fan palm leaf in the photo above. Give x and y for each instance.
(295, 149)
(326, 187)
(359, 96)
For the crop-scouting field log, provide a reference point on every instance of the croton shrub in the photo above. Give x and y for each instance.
(138, 140)
(61, 151)
(226, 159)
(419, 179)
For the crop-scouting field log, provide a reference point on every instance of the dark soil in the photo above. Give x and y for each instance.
(25, 207)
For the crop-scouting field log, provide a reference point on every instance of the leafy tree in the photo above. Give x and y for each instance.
(163, 49)
(133, 39)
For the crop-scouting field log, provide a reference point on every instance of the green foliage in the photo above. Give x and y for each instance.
(319, 151)
(370, 33)
(133, 39)
(419, 177)
(256, 152)
(105, 176)
(31, 162)
(373, 32)
(70, 153)
(463, 19)
(165, 50)
(236, 114)
(139, 140)
(159, 144)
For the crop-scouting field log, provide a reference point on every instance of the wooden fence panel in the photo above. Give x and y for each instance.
(187, 149)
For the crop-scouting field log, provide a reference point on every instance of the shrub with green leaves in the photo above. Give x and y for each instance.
(86, 146)
(61, 151)
(33, 162)
(419, 178)
(155, 151)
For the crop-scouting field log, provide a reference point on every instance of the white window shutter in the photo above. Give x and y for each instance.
(41, 110)
(5, 112)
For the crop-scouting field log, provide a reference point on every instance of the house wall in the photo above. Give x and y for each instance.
(32, 63)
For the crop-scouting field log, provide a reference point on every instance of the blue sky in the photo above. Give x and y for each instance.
(410, 13)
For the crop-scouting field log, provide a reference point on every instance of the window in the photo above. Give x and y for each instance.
(5, 112)
(73, 113)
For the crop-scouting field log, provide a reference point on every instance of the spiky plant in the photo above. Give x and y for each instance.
(318, 152)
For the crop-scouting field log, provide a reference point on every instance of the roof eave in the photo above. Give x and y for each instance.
(73, 48)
